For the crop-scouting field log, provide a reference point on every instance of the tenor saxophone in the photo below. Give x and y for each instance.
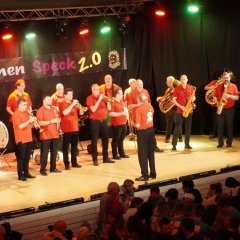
(190, 105)
(222, 102)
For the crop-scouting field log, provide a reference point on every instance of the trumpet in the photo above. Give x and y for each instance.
(80, 107)
(108, 99)
(60, 132)
(35, 123)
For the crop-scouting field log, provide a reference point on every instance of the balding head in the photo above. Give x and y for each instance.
(114, 188)
(60, 226)
(82, 233)
(108, 80)
(142, 98)
(59, 89)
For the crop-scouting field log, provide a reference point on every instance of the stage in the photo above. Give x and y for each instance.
(91, 179)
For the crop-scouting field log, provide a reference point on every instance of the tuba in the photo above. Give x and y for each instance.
(209, 94)
(190, 105)
(222, 102)
(166, 104)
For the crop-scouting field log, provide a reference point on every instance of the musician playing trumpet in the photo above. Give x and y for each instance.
(225, 96)
(47, 117)
(171, 112)
(69, 109)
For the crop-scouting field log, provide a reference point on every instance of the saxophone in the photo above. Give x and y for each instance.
(209, 94)
(190, 105)
(223, 101)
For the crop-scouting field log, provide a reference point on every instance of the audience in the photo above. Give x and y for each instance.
(135, 228)
(188, 226)
(234, 184)
(127, 189)
(224, 206)
(2, 232)
(210, 236)
(82, 233)
(59, 229)
(172, 198)
(92, 236)
(220, 222)
(155, 196)
(188, 187)
(188, 203)
(165, 229)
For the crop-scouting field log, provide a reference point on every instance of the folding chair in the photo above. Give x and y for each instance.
(4, 137)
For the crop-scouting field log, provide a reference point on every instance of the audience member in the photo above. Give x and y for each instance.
(188, 187)
(155, 196)
(2, 232)
(59, 229)
(188, 203)
(235, 201)
(188, 226)
(92, 236)
(82, 233)
(224, 206)
(220, 222)
(232, 183)
(165, 229)
(210, 214)
(127, 189)
(172, 198)
(135, 228)
(210, 236)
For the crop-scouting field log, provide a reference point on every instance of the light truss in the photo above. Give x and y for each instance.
(70, 12)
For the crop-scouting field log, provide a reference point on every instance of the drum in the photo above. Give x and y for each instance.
(4, 137)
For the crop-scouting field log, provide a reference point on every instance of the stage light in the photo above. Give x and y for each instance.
(105, 27)
(230, 168)
(197, 175)
(30, 32)
(16, 213)
(192, 6)
(159, 10)
(50, 206)
(60, 30)
(84, 29)
(7, 31)
(124, 24)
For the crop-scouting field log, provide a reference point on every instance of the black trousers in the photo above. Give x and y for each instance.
(214, 121)
(226, 117)
(23, 151)
(146, 146)
(70, 138)
(178, 126)
(51, 144)
(170, 119)
(99, 128)
(118, 135)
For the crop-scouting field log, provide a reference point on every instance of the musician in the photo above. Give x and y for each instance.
(108, 88)
(47, 117)
(69, 109)
(133, 102)
(143, 118)
(22, 126)
(97, 108)
(171, 114)
(181, 95)
(226, 92)
(132, 84)
(58, 96)
(118, 113)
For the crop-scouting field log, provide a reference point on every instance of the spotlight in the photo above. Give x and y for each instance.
(84, 29)
(192, 6)
(124, 24)
(105, 27)
(197, 175)
(30, 32)
(60, 30)
(159, 10)
(7, 31)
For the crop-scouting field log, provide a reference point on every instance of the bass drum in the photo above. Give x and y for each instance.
(4, 137)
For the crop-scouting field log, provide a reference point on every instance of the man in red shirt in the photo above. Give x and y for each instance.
(58, 96)
(227, 114)
(47, 117)
(69, 109)
(132, 84)
(118, 115)
(181, 95)
(108, 88)
(22, 125)
(97, 109)
(143, 118)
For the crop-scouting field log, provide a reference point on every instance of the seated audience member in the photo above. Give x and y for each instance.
(155, 196)
(220, 222)
(59, 229)
(188, 203)
(2, 232)
(235, 236)
(127, 189)
(210, 236)
(215, 189)
(225, 233)
(134, 206)
(135, 228)
(188, 226)
(92, 236)
(224, 206)
(200, 227)
(188, 187)
(210, 215)
(82, 233)
(172, 198)
(235, 201)
(232, 183)
(165, 229)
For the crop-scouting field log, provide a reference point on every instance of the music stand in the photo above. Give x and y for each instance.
(4, 137)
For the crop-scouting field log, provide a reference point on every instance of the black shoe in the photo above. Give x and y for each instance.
(67, 168)
(108, 161)
(167, 140)
(22, 178)
(219, 145)
(55, 171)
(180, 139)
(229, 145)
(117, 157)
(152, 176)
(141, 179)
(188, 147)
(28, 175)
(213, 136)
(174, 148)
(124, 156)
(157, 149)
(43, 173)
(76, 165)
(95, 163)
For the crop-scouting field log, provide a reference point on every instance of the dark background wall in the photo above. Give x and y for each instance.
(199, 45)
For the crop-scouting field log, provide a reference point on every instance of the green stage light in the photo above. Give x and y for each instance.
(193, 8)
(105, 27)
(30, 31)
(30, 35)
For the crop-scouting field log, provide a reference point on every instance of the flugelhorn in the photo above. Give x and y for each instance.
(60, 132)
(35, 123)
(80, 107)
(108, 99)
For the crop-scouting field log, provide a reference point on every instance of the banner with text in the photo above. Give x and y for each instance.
(62, 64)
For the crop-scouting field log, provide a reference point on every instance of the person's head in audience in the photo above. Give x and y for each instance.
(165, 226)
(113, 187)
(198, 211)
(92, 236)
(234, 223)
(210, 236)
(145, 211)
(188, 226)
(221, 221)
(60, 226)
(82, 233)
(179, 209)
(154, 192)
(2, 232)
(215, 189)
(187, 186)
(188, 201)
(162, 207)
(128, 186)
(135, 225)
(210, 214)
(113, 217)
(231, 182)
(224, 205)
(171, 195)
(136, 202)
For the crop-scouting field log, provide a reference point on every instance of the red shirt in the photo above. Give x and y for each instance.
(118, 107)
(127, 93)
(232, 90)
(49, 131)
(182, 95)
(14, 97)
(23, 135)
(115, 204)
(101, 112)
(56, 99)
(69, 122)
(108, 91)
(134, 95)
(143, 115)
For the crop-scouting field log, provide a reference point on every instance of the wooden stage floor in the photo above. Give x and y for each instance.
(90, 179)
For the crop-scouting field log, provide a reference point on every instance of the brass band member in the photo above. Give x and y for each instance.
(143, 118)
(181, 95)
(118, 113)
(48, 120)
(225, 96)
(97, 109)
(171, 114)
(58, 96)
(132, 84)
(69, 111)
(108, 88)
(22, 126)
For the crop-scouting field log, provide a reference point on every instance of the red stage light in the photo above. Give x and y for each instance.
(7, 36)
(160, 12)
